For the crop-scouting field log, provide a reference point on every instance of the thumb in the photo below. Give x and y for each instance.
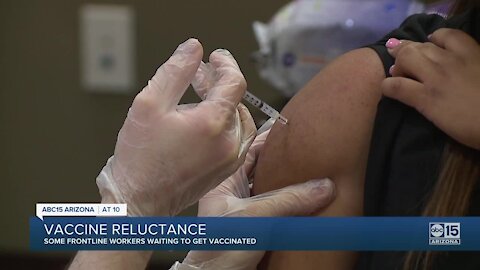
(249, 131)
(296, 200)
(253, 153)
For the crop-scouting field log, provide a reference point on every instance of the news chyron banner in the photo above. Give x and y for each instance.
(106, 227)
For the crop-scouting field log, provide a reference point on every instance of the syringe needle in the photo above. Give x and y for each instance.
(282, 119)
(264, 107)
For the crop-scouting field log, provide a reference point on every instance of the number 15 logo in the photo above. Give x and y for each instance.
(452, 230)
(445, 230)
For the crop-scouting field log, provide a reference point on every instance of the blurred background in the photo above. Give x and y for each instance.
(59, 118)
(56, 133)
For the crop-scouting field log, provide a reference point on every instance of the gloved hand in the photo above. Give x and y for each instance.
(168, 156)
(232, 198)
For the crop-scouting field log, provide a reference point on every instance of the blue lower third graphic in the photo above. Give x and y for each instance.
(214, 233)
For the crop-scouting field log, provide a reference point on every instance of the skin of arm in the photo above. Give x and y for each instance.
(330, 122)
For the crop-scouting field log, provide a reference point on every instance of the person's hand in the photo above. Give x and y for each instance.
(440, 79)
(232, 199)
(167, 155)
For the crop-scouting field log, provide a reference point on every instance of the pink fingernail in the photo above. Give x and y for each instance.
(392, 43)
(391, 69)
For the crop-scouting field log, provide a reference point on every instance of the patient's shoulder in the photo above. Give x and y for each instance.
(328, 135)
(329, 125)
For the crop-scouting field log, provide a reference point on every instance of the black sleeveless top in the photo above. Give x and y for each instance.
(406, 151)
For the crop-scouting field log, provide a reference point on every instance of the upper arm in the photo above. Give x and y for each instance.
(328, 135)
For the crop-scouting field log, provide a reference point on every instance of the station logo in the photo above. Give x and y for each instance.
(442, 233)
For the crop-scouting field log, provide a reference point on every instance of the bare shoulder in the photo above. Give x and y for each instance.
(328, 135)
(330, 121)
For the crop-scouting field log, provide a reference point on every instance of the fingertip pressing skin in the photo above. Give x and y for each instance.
(305, 198)
(323, 189)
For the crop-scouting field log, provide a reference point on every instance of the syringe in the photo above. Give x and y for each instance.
(264, 107)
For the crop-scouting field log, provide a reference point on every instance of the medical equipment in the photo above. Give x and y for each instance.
(305, 35)
(202, 83)
(264, 107)
(160, 142)
(233, 198)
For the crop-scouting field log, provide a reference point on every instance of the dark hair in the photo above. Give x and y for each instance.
(450, 196)
(458, 176)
